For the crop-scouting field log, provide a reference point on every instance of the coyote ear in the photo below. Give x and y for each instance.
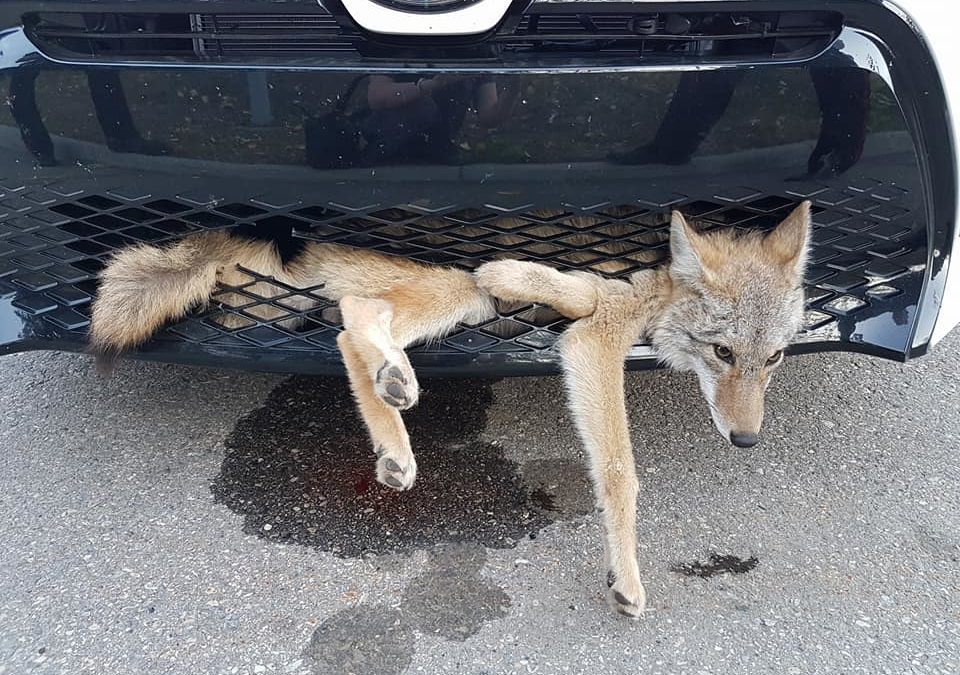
(686, 251)
(789, 240)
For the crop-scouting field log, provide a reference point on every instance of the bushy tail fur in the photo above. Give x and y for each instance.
(143, 287)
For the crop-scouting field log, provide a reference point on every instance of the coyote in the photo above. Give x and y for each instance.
(725, 307)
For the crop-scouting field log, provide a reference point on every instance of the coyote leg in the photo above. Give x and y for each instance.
(572, 294)
(396, 465)
(593, 351)
(368, 322)
(376, 331)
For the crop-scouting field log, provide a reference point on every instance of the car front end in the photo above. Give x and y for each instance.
(561, 132)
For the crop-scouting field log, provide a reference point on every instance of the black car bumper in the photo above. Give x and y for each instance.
(586, 154)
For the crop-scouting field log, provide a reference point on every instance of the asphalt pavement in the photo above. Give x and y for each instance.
(177, 520)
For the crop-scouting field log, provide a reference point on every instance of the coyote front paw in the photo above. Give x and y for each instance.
(396, 470)
(504, 278)
(625, 594)
(397, 385)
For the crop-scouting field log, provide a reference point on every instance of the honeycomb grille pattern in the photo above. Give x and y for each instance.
(54, 241)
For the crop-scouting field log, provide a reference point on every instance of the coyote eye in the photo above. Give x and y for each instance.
(723, 353)
(776, 358)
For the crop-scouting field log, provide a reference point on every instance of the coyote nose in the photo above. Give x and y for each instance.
(743, 440)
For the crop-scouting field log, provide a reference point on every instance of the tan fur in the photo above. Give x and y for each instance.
(389, 303)
(739, 399)
(572, 295)
(720, 265)
(593, 350)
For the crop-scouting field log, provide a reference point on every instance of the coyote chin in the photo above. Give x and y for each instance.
(725, 308)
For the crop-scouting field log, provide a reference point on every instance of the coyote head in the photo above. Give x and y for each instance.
(737, 303)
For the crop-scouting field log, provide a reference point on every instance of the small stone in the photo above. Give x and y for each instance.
(267, 527)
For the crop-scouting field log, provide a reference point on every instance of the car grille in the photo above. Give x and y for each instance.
(53, 243)
(705, 36)
(546, 31)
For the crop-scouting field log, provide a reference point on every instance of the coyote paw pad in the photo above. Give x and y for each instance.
(625, 597)
(396, 471)
(396, 387)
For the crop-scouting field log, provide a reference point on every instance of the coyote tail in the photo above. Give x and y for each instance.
(143, 287)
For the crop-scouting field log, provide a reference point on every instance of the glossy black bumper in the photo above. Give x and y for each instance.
(579, 173)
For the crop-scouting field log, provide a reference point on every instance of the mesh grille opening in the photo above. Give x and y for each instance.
(225, 35)
(590, 29)
(864, 252)
(128, 36)
(702, 36)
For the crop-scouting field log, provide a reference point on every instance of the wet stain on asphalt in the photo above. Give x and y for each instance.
(450, 599)
(719, 564)
(300, 470)
(544, 499)
(559, 486)
(361, 639)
